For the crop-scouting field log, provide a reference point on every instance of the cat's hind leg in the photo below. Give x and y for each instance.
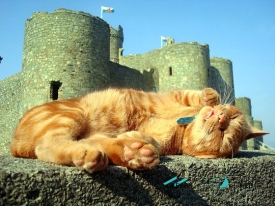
(132, 149)
(50, 132)
(67, 152)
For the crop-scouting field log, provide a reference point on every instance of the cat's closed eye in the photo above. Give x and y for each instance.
(234, 116)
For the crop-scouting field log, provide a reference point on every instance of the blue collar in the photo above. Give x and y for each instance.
(185, 120)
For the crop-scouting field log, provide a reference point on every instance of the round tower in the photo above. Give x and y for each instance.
(221, 78)
(116, 43)
(244, 104)
(65, 55)
(182, 66)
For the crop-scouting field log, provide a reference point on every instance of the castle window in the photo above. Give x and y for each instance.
(55, 85)
(170, 71)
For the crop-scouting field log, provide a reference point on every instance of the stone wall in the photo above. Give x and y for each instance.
(247, 179)
(131, 78)
(9, 108)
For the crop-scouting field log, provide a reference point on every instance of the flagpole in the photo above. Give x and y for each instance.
(101, 12)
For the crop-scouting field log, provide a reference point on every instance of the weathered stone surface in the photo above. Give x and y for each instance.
(250, 178)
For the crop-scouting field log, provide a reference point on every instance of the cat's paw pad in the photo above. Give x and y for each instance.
(141, 155)
(90, 159)
(210, 97)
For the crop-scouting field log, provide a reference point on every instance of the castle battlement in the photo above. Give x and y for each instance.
(219, 59)
(117, 33)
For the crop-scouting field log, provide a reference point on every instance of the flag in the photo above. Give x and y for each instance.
(107, 9)
(163, 38)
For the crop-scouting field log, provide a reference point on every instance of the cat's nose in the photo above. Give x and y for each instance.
(223, 122)
(221, 117)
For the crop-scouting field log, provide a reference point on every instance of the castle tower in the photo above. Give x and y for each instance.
(221, 78)
(116, 43)
(185, 66)
(175, 66)
(244, 104)
(65, 55)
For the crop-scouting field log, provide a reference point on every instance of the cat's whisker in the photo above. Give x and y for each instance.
(231, 100)
(231, 149)
(225, 92)
(227, 95)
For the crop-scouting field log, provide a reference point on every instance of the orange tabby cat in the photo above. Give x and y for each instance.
(130, 128)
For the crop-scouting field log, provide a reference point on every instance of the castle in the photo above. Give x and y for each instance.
(70, 53)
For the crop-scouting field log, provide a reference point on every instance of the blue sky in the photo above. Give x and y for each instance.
(240, 30)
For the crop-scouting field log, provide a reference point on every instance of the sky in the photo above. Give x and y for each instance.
(240, 30)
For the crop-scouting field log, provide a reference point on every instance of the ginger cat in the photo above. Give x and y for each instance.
(130, 128)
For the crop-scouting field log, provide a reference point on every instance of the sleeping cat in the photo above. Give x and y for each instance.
(131, 128)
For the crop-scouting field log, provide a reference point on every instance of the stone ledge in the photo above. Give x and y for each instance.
(251, 182)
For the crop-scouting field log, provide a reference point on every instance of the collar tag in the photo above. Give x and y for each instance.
(185, 120)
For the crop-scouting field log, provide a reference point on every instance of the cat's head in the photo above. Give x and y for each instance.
(217, 132)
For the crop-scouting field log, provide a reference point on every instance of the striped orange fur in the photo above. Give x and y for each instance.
(130, 128)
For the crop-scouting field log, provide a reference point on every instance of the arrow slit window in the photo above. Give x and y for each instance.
(55, 86)
(170, 71)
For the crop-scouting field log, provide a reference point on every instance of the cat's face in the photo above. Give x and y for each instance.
(217, 132)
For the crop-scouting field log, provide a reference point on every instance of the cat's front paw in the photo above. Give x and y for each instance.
(90, 159)
(210, 97)
(138, 152)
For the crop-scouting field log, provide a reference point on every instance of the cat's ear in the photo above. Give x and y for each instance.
(254, 132)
